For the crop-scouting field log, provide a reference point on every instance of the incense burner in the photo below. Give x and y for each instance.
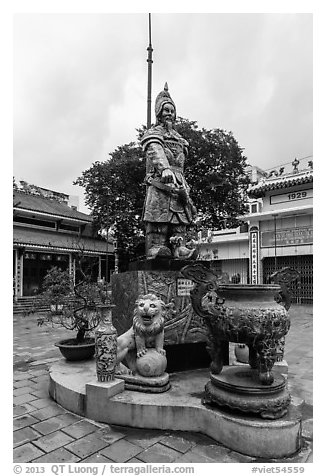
(255, 315)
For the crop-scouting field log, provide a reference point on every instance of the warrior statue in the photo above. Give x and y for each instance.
(168, 210)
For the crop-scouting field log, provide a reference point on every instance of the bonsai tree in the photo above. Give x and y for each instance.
(78, 302)
(81, 313)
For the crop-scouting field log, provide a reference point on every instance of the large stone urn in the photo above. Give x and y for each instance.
(254, 315)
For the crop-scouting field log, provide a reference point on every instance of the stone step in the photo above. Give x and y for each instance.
(26, 304)
(21, 310)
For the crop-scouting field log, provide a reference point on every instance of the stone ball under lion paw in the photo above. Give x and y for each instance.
(152, 364)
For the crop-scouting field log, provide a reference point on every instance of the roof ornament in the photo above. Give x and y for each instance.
(295, 164)
(310, 164)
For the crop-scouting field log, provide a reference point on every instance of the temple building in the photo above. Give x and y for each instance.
(278, 233)
(48, 230)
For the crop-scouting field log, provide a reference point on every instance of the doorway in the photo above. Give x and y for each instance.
(36, 266)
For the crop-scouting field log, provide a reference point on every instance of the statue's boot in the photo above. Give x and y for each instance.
(157, 247)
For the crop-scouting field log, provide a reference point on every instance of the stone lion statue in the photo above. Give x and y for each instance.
(141, 347)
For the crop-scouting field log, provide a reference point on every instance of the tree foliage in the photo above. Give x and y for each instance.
(215, 171)
(56, 285)
(76, 304)
(114, 191)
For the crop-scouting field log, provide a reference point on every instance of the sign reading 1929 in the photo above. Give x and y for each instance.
(292, 196)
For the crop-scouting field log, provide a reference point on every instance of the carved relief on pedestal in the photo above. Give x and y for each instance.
(182, 324)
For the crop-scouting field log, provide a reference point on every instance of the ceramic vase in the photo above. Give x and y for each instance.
(106, 345)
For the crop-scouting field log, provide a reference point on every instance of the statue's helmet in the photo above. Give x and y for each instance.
(163, 98)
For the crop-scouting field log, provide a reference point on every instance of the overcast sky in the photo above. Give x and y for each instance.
(80, 85)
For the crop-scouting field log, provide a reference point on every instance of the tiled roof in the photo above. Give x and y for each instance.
(279, 182)
(47, 205)
(59, 241)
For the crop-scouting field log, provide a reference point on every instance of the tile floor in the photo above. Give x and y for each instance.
(45, 432)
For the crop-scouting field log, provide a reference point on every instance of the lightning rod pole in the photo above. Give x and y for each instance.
(149, 80)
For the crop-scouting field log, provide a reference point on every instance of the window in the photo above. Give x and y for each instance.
(72, 228)
(34, 221)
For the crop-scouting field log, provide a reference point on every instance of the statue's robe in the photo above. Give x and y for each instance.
(166, 149)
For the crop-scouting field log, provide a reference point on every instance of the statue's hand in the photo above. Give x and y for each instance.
(168, 176)
(160, 350)
(142, 351)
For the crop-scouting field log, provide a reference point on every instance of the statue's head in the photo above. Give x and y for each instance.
(165, 110)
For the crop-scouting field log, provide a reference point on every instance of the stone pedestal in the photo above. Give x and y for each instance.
(238, 389)
(182, 326)
(146, 384)
(74, 387)
(97, 395)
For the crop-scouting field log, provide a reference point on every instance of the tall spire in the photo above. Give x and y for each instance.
(149, 79)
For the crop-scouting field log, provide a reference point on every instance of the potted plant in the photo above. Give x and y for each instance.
(80, 311)
(82, 315)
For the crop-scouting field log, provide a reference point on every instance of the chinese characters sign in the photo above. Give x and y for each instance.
(254, 259)
(287, 237)
(184, 286)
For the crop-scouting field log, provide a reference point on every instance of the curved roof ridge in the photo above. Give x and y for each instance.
(278, 182)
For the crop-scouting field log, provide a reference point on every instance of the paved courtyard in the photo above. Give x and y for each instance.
(45, 432)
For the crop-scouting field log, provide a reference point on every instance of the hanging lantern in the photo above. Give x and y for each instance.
(105, 345)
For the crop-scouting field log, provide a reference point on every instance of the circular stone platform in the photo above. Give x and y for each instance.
(74, 386)
(245, 380)
(239, 389)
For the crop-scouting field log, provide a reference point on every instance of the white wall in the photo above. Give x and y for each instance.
(226, 250)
